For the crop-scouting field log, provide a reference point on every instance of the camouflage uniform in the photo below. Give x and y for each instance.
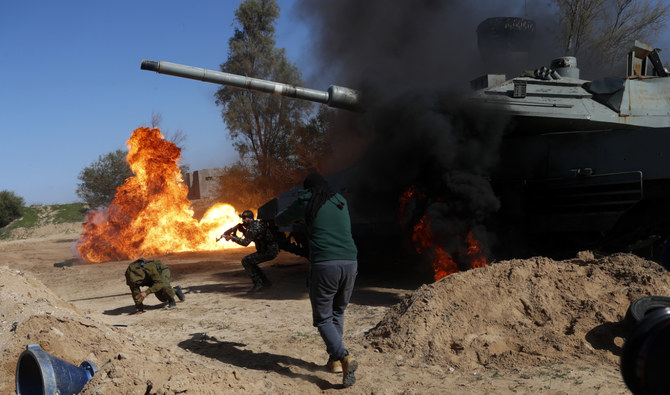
(266, 249)
(152, 274)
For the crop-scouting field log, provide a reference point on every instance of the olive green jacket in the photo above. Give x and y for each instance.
(152, 274)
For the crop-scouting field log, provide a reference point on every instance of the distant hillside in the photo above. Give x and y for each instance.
(40, 221)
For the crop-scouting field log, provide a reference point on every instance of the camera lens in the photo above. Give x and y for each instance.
(645, 362)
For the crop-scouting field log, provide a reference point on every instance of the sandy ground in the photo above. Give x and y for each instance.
(514, 327)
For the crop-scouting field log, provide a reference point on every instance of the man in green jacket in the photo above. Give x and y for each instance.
(333, 265)
(156, 276)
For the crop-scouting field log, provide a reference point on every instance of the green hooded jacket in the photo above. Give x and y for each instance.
(330, 233)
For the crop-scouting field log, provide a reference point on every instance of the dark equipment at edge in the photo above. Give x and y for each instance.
(645, 359)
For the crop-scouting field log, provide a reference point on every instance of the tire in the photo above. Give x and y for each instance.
(644, 306)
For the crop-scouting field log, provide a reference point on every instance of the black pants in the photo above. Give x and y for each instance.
(250, 263)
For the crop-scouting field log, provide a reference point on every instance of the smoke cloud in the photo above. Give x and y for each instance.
(412, 61)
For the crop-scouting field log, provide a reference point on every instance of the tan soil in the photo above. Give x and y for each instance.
(518, 326)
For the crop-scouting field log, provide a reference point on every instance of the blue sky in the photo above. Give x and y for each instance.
(71, 88)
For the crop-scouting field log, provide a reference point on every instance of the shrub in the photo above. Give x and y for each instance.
(11, 207)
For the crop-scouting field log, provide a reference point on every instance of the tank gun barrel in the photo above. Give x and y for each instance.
(335, 96)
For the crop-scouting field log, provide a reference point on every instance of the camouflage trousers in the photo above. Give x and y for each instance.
(251, 262)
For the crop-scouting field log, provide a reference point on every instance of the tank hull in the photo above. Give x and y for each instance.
(606, 189)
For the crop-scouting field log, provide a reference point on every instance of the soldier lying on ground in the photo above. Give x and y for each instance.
(155, 275)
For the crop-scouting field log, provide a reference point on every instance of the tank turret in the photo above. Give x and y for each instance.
(556, 99)
(335, 96)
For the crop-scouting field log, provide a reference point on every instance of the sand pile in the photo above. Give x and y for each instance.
(31, 314)
(522, 313)
(46, 231)
(522, 326)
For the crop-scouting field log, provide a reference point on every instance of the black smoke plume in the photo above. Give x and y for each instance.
(413, 61)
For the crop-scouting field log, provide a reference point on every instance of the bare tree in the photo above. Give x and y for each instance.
(606, 29)
(576, 18)
(178, 137)
(156, 119)
(626, 21)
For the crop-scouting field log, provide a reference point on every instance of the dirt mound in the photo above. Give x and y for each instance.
(32, 314)
(518, 326)
(71, 229)
(522, 313)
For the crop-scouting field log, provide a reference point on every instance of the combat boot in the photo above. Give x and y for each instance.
(258, 282)
(179, 293)
(266, 281)
(172, 303)
(349, 366)
(334, 366)
(258, 285)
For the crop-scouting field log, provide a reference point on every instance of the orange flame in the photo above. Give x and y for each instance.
(425, 242)
(474, 253)
(150, 214)
(443, 264)
(405, 199)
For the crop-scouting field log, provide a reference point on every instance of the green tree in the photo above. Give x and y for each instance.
(261, 126)
(310, 142)
(100, 180)
(11, 207)
(243, 190)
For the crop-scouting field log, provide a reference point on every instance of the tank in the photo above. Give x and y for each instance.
(584, 161)
(583, 164)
